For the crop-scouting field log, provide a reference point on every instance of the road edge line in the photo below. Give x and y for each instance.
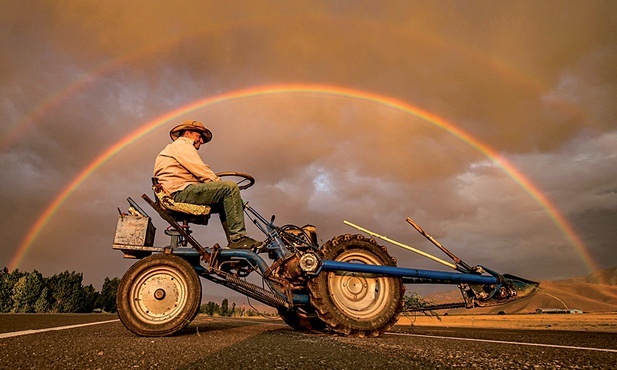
(34, 331)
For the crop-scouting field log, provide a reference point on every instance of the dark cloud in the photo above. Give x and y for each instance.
(535, 81)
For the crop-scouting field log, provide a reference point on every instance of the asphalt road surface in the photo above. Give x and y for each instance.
(101, 342)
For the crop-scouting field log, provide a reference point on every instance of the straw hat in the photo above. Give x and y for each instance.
(191, 126)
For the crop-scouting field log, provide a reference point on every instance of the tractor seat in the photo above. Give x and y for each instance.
(193, 213)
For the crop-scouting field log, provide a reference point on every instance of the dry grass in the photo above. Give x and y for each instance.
(592, 322)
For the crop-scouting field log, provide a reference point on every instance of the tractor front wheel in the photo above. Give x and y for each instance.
(159, 295)
(357, 304)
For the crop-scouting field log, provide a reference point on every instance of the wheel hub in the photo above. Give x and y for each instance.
(354, 287)
(358, 295)
(159, 295)
(355, 293)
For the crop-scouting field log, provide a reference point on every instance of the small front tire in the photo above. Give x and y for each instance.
(159, 295)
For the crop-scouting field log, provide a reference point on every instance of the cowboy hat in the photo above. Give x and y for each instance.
(191, 126)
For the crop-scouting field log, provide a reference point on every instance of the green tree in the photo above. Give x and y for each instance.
(26, 292)
(7, 282)
(5, 294)
(224, 307)
(107, 298)
(60, 293)
(209, 308)
(67, 293)
(42, 304)
(91, 297)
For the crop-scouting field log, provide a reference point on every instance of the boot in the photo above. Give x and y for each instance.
(244, 242)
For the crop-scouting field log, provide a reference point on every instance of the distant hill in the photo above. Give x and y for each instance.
(585, 293)
(606, 276)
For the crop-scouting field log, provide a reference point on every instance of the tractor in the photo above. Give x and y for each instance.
(348, 286)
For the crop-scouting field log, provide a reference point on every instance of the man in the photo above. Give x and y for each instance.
(188, 179)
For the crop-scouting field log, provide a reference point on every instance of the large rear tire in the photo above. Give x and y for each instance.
(357, 304)
(158, 296)
(303, 319)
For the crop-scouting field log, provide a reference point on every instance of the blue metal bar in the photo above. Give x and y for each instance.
(252, 257)
(443, 277)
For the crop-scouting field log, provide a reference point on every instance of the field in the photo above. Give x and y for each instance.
(587, 322)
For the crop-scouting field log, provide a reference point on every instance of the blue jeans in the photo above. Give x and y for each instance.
(224, 198)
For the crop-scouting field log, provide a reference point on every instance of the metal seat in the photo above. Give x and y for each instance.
(181, 212)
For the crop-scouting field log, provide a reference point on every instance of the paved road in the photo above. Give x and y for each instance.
(261, 344)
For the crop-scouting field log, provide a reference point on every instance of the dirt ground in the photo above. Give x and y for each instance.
(592, 322)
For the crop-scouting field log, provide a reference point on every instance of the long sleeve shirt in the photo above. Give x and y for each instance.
(179, 165)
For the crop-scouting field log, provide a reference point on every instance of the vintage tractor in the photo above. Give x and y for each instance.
(350, 285)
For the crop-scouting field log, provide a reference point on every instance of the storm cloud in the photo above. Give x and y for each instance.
(534, 81)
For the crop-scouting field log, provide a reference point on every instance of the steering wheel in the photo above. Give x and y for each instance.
(243, 180)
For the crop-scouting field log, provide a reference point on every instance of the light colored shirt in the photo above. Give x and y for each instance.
(179, 165)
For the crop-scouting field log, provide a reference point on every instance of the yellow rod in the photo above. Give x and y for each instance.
(404, 246)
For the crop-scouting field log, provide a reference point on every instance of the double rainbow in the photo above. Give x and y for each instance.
(327, 90)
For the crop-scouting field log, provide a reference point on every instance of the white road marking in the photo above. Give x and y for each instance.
(507, 342)
(34, 331)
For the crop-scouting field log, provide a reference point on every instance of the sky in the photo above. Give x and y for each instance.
(493, 125)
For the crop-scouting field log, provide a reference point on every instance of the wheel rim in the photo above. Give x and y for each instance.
(361, 296)
(159, 295)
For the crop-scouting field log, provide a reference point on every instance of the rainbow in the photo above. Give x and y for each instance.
(267, 90)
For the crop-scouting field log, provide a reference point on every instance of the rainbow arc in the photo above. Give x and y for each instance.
(327, 90)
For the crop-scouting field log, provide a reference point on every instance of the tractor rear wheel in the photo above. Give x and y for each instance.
(159, 295)
(303, 318)
(357, 304)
